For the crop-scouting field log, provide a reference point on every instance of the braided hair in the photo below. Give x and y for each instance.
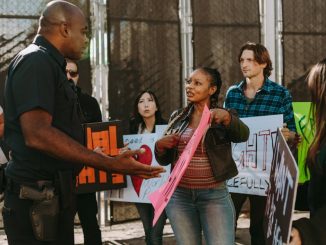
(215, 81)
(174, 120)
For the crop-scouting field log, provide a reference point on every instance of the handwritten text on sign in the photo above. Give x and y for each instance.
(253, 158)
(161, 197)
(304, 122)
(137, 188)
(281, 194)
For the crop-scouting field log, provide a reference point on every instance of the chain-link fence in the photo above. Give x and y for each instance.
(220, 29)
(18, 26)
(144, 44)
(304, 38)
(144, 53)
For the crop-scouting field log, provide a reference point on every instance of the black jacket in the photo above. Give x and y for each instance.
(89, 106)
(312, 231)
(217, 142)
(134, 124)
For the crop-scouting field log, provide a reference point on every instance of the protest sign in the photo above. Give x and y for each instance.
(108, 136)
(253, 157)
(281, 194)
(304, 124)
(161, 197)
(159, 130)
(137, 188)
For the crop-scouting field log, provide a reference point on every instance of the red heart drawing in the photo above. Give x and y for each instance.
(145, 158)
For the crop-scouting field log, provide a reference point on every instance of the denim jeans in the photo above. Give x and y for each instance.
(153, 235)
(209, 210)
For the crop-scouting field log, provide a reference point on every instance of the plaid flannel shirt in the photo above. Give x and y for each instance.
(271, 99)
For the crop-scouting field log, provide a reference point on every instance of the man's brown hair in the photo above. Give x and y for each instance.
(261, 55)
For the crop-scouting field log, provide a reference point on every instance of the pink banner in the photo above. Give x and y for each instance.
(161, 197)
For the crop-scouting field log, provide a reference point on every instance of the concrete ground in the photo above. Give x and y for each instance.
(131, 233)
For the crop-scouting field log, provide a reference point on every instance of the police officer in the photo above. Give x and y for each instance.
(43, 130)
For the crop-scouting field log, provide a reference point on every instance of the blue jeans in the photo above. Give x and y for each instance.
(153, 235)
(209, 210)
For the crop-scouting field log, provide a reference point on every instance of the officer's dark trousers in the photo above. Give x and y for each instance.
(257, 211)
(87, 211)
(17, 224)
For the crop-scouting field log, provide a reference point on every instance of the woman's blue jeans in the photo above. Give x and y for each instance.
(209, 210)
(153, 235)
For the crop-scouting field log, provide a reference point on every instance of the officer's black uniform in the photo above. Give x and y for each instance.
(86, 202)
(37, 79)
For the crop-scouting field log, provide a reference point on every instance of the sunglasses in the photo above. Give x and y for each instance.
(72, 73)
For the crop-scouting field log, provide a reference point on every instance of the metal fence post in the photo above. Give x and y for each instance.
(269, 30)
(99, 65)
(185, 15)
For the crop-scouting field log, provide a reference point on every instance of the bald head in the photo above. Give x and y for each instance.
(64, 25)
(57, 12)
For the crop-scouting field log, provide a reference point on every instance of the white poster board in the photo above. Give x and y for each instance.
(138, 189)
(254, 157)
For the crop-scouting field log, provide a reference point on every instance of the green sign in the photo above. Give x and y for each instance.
(304, 122)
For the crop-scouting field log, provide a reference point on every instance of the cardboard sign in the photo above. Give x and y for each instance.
(108, 136)
(304, 122)
(281, 194)
(253, 157)
(137, 188)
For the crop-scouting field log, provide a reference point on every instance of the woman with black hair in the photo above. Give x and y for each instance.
(201, 201)
(147, 114)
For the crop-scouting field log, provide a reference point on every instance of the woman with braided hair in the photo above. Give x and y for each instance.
(201, 202)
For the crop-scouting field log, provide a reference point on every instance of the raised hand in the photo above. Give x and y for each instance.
(167, 142)
(220, 116)
(295, 237)
(291, 137)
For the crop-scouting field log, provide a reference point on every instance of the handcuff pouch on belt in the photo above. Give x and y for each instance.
(44, 212)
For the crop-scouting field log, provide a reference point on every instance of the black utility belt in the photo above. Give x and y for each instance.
(15, 186)
(48, 197)
(63, 186)
(44, 211)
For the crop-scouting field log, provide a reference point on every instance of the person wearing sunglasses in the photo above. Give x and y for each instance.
(86, 202)
(44, 133)
(89, 106)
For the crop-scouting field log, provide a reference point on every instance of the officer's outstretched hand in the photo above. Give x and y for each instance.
(126, 164)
